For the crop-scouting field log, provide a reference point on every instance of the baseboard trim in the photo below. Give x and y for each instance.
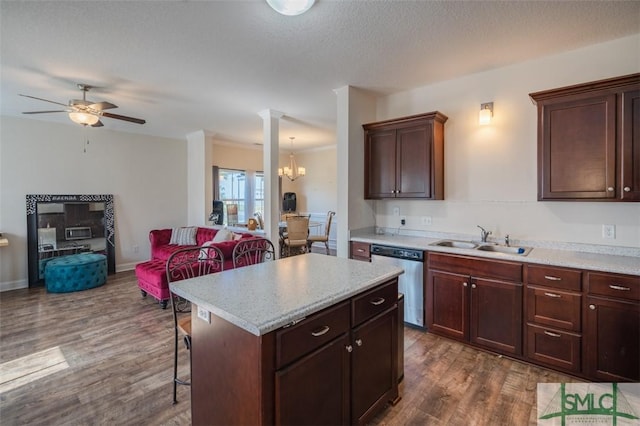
(13, 285)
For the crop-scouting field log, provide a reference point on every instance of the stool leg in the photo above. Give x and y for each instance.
(163, 304)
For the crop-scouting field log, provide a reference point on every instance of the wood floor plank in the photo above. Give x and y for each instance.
(118, 350)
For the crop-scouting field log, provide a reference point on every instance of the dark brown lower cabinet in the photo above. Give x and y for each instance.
(338, 366)
(374, 360)
(467, 303)
(496, 315)
(315, 389)
(612, 340)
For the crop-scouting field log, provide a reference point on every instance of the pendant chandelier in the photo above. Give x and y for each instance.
(292, 172)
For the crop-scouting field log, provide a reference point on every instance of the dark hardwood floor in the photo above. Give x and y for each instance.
(104, 357)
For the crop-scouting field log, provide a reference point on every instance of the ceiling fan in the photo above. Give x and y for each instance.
(86, 112)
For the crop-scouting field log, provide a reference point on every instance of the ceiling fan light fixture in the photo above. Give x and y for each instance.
(83, 118)
(291, 7)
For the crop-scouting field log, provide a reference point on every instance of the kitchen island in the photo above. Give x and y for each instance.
(305, 339)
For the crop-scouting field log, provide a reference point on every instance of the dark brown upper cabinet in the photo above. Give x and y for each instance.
(404, 157)
(589, 141)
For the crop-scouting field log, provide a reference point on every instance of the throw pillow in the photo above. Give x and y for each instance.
(203, 252)
(237, 237)
(222, 235)
(185, 236)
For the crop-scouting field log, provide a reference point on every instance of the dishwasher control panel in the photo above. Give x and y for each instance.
(398, 252)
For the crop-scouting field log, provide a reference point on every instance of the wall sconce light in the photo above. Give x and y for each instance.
(486, 112)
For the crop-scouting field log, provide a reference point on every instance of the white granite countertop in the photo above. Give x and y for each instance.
(264, 297)
(598, 259)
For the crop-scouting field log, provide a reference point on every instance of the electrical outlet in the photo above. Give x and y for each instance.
(135, 248)
(205, 315)
(426, 220)
(403, 220)
(396, 211)
(609, 231)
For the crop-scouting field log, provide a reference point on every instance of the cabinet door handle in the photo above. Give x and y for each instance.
(349, 348)
(552, 278)
(464, 284)
(473, 286)
(592, 307)
(359, 342)
(320, 331)
(360, 250)
(551, 294)
(610, 189)
(378, 301)
(627, 189)
(548, 333)
(619, 287)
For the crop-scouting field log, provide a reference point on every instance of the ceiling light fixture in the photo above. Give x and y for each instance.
(486, 112)
(84, 118)
(292, 172)
(291, 7)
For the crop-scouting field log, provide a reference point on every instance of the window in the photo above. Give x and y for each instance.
(234, 185)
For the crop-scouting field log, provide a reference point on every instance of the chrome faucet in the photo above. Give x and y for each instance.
(483, 234)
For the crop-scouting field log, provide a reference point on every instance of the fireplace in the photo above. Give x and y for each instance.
(59, 225)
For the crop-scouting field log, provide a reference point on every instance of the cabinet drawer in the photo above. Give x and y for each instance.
(297, 340)
(494, 269)
(613, 285)
(553, 308)
(374, 302)
(562, 278)
(554, 348)
(360, 250)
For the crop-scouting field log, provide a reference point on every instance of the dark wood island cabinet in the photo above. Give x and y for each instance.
(326, 353)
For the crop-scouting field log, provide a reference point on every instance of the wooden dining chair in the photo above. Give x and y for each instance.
(183, 264)
(322, 238)
(297, 234)
(253, 250)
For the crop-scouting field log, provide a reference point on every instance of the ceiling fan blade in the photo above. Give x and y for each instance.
(42, 112)
(123, 117)
(101, 106)
(98, 124)
(46, 100)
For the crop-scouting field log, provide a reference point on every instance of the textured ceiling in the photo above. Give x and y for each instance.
(213, 65)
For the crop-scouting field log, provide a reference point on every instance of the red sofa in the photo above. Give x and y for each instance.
(151, 274)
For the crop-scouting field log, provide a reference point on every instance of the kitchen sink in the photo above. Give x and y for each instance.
(455, 244)
(522, 251)
(495, 248)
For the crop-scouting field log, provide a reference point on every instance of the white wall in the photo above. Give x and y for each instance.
(490, 171)
(146, 175)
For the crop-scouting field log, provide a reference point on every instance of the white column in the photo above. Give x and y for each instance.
(354, 107)
(198, 178)
(271, 135)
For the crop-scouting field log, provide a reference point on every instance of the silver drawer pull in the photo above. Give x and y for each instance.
(552, 278)
(378, 301)
(548, 333)
(619, 287)
(359, 342)
(360, 250)
(323, 330)
(349, 348)
(551, 294)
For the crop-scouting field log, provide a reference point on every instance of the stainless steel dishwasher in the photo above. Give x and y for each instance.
(411, 283)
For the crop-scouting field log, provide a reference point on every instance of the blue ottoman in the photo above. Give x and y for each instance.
(75, 272)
